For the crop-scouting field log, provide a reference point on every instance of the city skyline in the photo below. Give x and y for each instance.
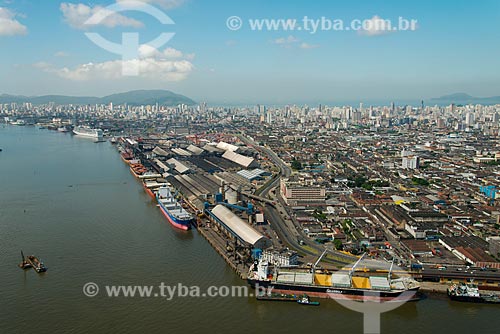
(449, 52)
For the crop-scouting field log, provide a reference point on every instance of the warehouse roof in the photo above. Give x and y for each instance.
(195, 149)
(212, 149)
(240, 159)
(252, 174)
(159, 151)
(236, 225)
(227, 147)
(179, 167)
(180, 151)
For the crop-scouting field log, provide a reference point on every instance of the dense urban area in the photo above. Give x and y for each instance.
(415, 186)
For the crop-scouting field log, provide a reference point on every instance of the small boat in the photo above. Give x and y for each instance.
(280, 297)
(36, 263)
(304, 300)
(24, 263)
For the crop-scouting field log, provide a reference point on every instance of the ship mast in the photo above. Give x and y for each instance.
(355, 265)
(390, 271)
(319, 259)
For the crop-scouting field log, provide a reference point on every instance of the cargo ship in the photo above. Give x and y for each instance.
(126, 157)
(137, 169)
(88, 132)
(345, 284)
(172, 210)
(470, 293)
(151, 187)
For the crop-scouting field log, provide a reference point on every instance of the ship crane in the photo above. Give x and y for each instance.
(351, 272)
(390, 271)
(318, 260)
(320, 257)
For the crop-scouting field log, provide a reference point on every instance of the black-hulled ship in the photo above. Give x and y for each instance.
(470, 293)
(346, 284)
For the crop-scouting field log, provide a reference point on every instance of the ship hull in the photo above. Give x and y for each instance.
(184, 225)
(149, 192)
(337, 293)
(471, 299)
(89, 134)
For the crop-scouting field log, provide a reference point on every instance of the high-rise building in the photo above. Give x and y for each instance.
(410, 162)
(469, 119)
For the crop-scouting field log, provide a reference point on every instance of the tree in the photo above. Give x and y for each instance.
(338, 244)
(296, 165)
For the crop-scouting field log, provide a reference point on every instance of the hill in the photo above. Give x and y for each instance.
(463, 98)
(136, 97)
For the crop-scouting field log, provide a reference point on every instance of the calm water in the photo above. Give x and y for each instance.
(75, 204)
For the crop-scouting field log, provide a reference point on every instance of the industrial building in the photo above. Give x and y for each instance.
(178, 166)
(241, 160)
(300, 193)
(238, 228)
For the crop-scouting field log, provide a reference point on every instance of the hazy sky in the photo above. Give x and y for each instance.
(455, 48)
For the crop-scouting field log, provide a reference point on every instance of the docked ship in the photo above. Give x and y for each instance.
(151, 187)
(88, 132)
(137, 169)
(470, 293)
(172, 210)
(347, 284)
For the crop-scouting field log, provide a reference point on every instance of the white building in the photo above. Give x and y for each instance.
(301, 192)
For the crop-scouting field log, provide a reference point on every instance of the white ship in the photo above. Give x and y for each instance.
(88, 132)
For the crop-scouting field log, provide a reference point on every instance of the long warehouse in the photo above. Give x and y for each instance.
(239, 228)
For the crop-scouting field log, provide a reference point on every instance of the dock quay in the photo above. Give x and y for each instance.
(433, 287)
(236, 200)
(219, 245)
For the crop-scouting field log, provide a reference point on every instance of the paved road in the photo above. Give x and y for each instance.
(289, 230)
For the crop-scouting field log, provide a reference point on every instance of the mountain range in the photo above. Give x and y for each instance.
(463, 98)
(134, 98)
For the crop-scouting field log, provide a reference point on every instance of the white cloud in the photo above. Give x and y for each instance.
(292, 41)
(308, 46)
(165, 4)
(167, 65)
(61, 54)
(286, 40)
(375, 26)
(9, 26)
(147, 51)
(76, 15)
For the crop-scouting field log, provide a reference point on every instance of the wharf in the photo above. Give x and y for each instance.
(433, 287)
(219, 244)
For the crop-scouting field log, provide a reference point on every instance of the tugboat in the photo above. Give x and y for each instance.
(304, 300)
(36, 264)
(470, 293)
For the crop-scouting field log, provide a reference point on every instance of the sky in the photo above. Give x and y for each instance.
(454, 48)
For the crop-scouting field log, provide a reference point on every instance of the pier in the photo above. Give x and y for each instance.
(219, 244)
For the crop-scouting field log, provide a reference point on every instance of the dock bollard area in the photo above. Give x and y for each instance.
(218, 242)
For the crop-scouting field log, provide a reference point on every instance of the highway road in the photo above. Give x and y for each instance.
(288, 229)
